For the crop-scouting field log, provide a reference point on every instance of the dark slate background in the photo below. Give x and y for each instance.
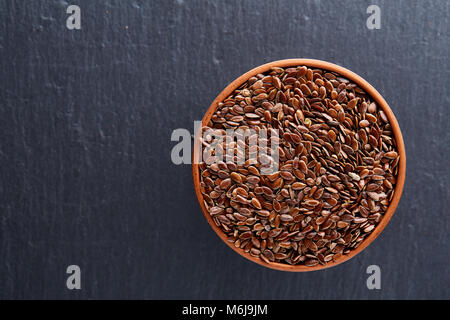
(86, 119)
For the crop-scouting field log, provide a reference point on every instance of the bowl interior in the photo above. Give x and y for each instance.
(370, 91)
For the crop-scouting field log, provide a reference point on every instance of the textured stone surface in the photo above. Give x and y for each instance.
(85, 124)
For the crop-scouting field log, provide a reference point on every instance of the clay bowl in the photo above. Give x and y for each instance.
(375, 96)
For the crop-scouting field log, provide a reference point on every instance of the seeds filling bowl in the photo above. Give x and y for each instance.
(337, 174)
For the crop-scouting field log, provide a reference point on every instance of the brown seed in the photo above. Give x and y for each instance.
(333, 178)
(301, 71)
(372, 108)
(337, 147)
(263, 213)
(352, 103)
(274, 176)
(240, 199)
(364, 173)
(312, 202)
(276, 82)
(354, 176)
(236, 177)
(299, 115)
(332, 135)
(298, 186)
(268, 115)
(390, 155)
(311, 245)
(215, 210)
(280, 256)
(264, 258)
(300, 175)
(286, 175)
(311, 262)
(364, 123)
(334, 94)
(359, 220)
(225, 184)
(276, 206)
(376, 196)
(255, 202)
(253, 180)
(242, 192)
(387, 184)
(363, 108)
(305, 89)
(245, 235)
(286, 218)
(253, 170)
(347, 217)
(269, 255)
(342, 224)
(373, 141)
(318, 193)
(332, 190)
(371, 118)
(275, 232)
(341, 116)
(372, 187)
(252, 116)
(277, 183)
(302, 165)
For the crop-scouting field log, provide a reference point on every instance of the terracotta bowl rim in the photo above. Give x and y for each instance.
(376, 96)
